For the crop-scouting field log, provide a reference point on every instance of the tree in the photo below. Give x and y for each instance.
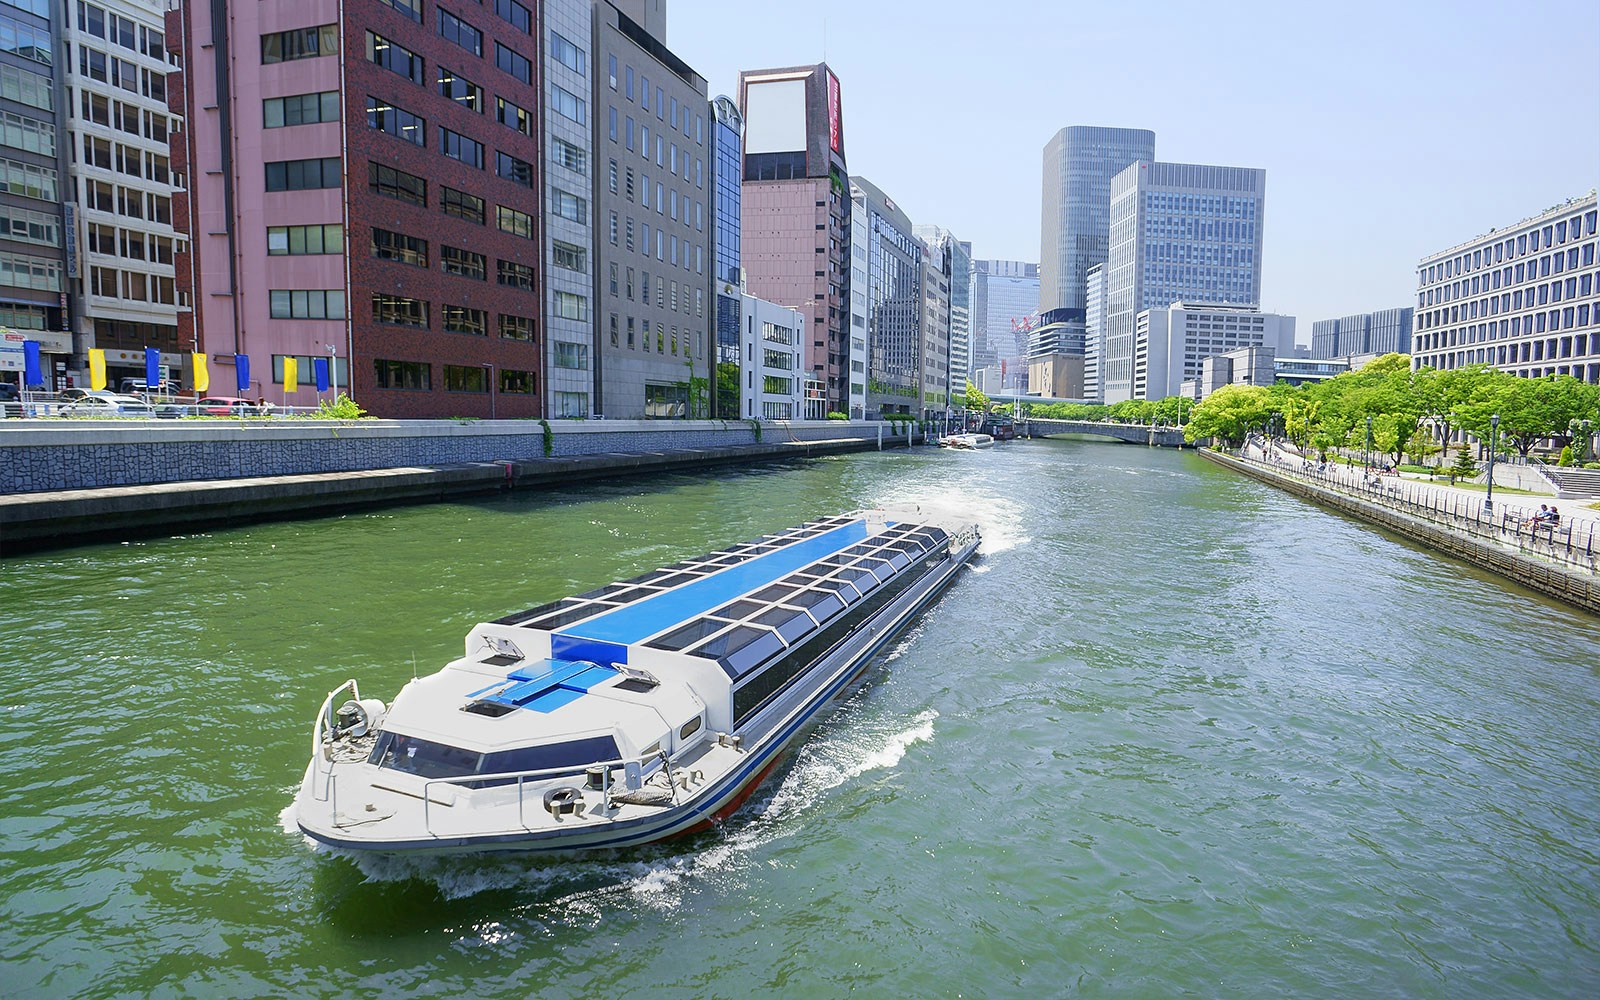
(975, 399)
(1228, 413)
(1465, 467)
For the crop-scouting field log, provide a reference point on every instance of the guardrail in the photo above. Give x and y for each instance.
(58, 409)
(1509, 525)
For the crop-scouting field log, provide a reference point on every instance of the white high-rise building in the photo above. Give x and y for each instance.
(1171, 344)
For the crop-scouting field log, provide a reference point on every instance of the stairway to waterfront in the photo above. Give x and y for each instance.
(1573, 484)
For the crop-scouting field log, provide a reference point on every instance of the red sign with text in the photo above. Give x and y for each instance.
(834, 138)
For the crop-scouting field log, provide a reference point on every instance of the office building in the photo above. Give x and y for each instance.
(795, 217)
(1005, 307)
(1180, 232)
(894, 303)
(856, 331)
(1171, 344)
(1522, 298)
(365, 182)
(956, 262)
(120, 270)
(773, 380)
(1387, 331)
(1257, 366)
(1094, 331)
(1055, 356)
(35, 262)
(725, 160)
(653, 214)
(570, 268)
(935, 330)
(1079, 162)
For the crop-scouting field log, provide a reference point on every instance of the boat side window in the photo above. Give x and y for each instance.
(691, 727)
(572, 754)
(688, 635)
(822, 604)
(424, 758)
(791, 623)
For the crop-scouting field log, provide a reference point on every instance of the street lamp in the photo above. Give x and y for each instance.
(491, 388)
(1367, 459)
(1494, 431)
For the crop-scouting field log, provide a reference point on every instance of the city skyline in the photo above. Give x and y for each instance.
(1311, 124)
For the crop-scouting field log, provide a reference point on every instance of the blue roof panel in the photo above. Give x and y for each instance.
(645, 618)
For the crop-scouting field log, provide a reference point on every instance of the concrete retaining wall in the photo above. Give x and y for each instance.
(1573, 585)
(41, 455)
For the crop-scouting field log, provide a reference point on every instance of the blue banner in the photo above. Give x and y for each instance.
(32, 373)
(152, 369)
(320, 366)
(241, 369)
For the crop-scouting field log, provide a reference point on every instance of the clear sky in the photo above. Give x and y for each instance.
(1388, 130)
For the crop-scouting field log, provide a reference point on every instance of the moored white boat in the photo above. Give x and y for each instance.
(966, 441)
(635, 712)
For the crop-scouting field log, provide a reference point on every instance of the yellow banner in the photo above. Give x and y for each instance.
(291, 374)
(202, 377)
(97, 369)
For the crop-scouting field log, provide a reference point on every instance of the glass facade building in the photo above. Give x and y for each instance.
(727, 130)
(1525, 299)
(1079, 162)
(894, 303)
(1005, 307)
(1179, 232)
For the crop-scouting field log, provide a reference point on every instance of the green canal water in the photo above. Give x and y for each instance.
(1175, 733)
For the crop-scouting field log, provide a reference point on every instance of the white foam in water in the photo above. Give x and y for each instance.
(585, 888)
(999, 518)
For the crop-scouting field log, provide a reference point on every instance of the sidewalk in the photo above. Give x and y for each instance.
(1522, 505)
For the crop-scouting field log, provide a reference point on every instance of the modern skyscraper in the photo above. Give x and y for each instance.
(894, 303)
(1005, 306)
(1524, 298)
(1079, 162)
(1180, 232)
(369, 187)
(654, 356)
(935, 330)
(1386, 331)
(795, 218)
(956, 263)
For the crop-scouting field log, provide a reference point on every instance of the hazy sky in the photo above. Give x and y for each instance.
(1387, 130)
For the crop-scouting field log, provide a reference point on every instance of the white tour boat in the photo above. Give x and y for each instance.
(639, 711)
(967, 442)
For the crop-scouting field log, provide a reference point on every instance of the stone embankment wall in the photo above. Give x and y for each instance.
(1567, 578)
(76, 455)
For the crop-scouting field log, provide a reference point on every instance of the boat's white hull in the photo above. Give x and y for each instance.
(765, 739)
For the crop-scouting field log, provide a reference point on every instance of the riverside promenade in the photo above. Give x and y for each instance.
(1563, 563)
(68, 482)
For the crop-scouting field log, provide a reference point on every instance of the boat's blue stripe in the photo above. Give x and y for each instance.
(634, 622)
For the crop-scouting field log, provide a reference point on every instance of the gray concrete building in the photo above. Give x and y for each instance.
(1171, 345)
(654, 358)
(935, 330)
(894, 303)
(1179, 232)
(1524, 298)
(956, 262)
(1386, 331)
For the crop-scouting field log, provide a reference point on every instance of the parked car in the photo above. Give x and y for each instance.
(106, 404)
(226, 406)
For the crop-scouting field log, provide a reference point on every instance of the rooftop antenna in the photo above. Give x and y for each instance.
(824, 37)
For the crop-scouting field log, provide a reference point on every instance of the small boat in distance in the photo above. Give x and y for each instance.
(638, 711)
(966, 442)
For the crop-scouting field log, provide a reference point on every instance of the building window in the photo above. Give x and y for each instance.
(567, 104)
(24, 87)
(572, 258)
(301, 109)
(397, 122)
(513, 62)
(303, 175)
(403, 374)
(514, 14)
(387, 245)
(516, 327)
(22, 271)
(518, 383)
(461, 90)
(512, 116)
(454, 260)
(512, 169)
(459, 147)
(306, 303)
(466, 378)
(572, 157)
(573, 356)
(569, 305)
(569, 206)
(297, 240)
(299, 43)
(461, 205)
(410, 8)
(395, 58)
(391, 183)
(462, 319)
(509, 220)
(454, 29)
(397, 310)
(514, 275)
(568, 54)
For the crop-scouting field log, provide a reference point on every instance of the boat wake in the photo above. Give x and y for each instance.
(581, 891)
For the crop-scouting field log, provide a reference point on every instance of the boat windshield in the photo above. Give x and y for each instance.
(428, 759)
